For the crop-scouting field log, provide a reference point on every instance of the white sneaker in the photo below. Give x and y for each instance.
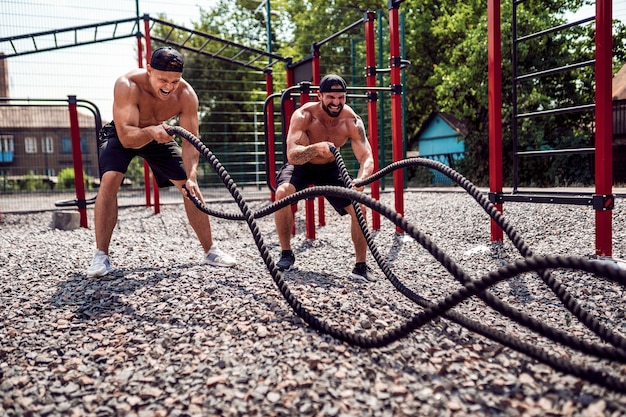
(100, 266)
(216, 257)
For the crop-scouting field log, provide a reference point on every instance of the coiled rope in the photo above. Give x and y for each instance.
(471, 287)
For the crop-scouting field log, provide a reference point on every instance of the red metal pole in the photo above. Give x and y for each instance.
(271, 146)
(372, 112)
(315, 63)
(604, 126)
(317, 77)
(289, 108)
(77, 159)
(494, 58)
(146, 167)
(309, 203)
(396, 107)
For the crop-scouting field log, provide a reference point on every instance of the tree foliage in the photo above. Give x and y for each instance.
(446, 43)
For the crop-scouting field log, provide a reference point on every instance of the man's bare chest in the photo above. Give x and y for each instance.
(151, 113)
(335, 131)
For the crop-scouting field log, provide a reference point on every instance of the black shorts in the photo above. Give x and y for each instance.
(302, 176)
(165, 159)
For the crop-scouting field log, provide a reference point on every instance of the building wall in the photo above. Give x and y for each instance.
(45, 152)
(439, 138)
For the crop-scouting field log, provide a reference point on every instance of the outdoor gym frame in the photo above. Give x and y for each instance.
(603, 199)
(371, 94)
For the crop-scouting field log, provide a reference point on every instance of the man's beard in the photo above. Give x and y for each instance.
(332, 114)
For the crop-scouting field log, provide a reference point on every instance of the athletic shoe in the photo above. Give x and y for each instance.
(363, 272)
(216, 257)
(100, 266)
(287, 259)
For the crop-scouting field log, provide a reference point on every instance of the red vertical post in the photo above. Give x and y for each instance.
(146, 167)
(77, 159)
(271, 146)
(494, 65)
(309, 203)
(372, 112)
(396, 106)
(289, 108)
(315, 66)
(604, 127)
(317, 77)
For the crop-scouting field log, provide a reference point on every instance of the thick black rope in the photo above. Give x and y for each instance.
(432, 310)
(554, 334)
(559, 290)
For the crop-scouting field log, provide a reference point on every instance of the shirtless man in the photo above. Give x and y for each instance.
(143, 100)
(315, 127)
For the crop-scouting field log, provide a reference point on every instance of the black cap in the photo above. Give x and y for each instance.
(167, 59)
(332, 82)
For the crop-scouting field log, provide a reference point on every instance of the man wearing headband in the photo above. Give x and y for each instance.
(143, 101)
(314, 128)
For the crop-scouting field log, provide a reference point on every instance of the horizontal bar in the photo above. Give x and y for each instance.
(563, 110)
(555, 29)
(552, 71)
(579, 200)
(557, 152)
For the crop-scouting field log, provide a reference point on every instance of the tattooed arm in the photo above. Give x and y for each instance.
(300, 150)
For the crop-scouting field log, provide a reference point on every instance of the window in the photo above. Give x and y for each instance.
(6, 148)
(66, 145)
(47, 144)
(30, 144)
(6, 143)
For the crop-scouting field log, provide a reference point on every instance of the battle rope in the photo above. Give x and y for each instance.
(559, 290)
(443, 308)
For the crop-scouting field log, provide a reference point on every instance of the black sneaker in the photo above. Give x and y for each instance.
(287, 259)
(363, 272)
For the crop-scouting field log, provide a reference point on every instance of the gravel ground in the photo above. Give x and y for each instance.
(165, 335)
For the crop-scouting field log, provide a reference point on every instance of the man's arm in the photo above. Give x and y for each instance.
(126, 116)
(188, 120)
(300, 150)
(362, 149)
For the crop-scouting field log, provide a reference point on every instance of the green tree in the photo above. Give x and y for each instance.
(453, 63)
(135, 172)
(446, 43)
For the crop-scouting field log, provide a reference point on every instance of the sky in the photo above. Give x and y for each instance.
(89, 72)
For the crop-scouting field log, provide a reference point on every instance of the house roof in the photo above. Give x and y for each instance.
(452, 121)
(34, 117)
(619, 84)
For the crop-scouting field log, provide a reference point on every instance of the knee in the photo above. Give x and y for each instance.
(111, 181)
(284, 190)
